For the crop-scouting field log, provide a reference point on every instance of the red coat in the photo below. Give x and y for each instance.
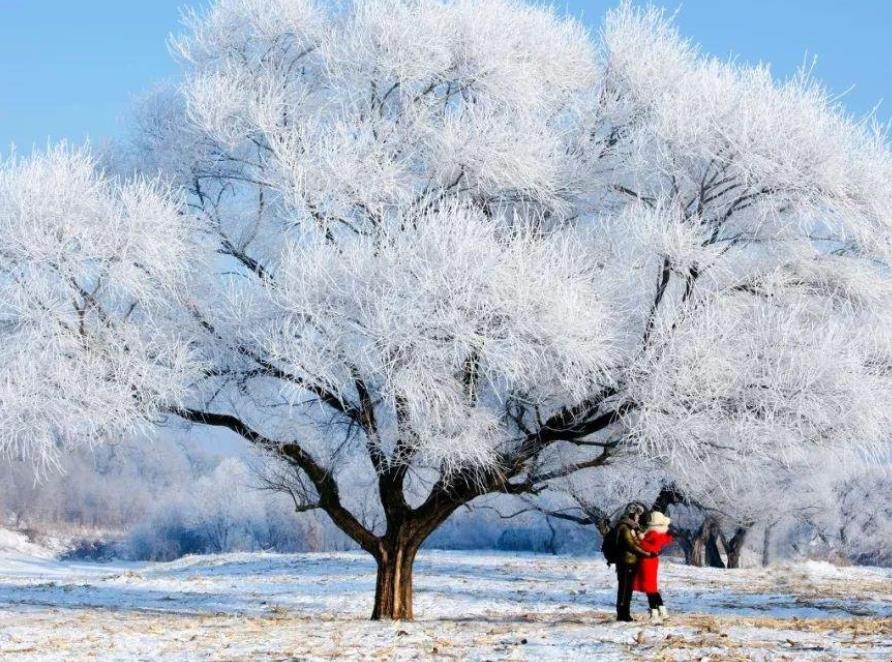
(646, 572)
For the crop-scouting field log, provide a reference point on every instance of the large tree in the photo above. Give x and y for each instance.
(456, 248)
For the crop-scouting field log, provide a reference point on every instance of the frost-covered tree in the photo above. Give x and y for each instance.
(89, 344)
(460, 249)
(392, 194)
(850, 518)
(719, 513)
(865, 516)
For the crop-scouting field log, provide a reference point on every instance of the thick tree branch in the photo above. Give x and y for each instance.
(662, 283)
(323, 481)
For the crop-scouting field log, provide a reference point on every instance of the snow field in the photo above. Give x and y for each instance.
(469, 606)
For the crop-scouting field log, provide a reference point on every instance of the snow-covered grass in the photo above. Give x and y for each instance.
(475, 606)
(16, 543)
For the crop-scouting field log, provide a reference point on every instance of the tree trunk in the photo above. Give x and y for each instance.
(393, 587)
(395, 555)
(766, 545)
(685, 541)
(713, 555)
(698, 550)
(551, 546)
(735, 546)
(704, 546)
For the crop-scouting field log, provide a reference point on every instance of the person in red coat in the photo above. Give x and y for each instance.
(655, 538)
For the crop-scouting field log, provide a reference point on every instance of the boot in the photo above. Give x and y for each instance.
(655, 617)
(663, 612)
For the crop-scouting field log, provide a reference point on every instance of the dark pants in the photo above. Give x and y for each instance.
(624, 574)
(654, 600)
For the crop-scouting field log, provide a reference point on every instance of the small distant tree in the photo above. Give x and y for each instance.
(450, 249)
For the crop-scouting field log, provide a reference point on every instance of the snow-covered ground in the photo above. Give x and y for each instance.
(474, 606)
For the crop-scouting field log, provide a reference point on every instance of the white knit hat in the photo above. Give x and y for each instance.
(658, 522)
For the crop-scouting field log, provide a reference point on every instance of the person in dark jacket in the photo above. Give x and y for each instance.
(630, 552)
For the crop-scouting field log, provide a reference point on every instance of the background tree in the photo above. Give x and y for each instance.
(459, 249)
(853, 522)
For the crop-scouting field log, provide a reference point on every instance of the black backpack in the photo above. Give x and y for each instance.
(610, 545)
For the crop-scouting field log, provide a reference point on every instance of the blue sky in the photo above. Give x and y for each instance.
(69, 69)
